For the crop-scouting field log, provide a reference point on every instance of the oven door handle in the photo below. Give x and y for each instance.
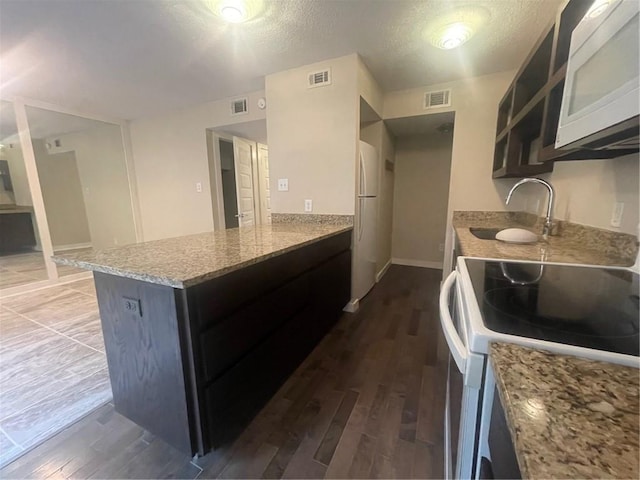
(456, 346)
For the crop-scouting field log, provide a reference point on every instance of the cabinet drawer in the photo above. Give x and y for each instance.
(233, 399)
(212, 301)
(228, 340)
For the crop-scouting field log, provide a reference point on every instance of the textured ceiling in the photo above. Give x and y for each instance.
(129, 59)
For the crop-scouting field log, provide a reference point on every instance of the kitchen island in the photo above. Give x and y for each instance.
(568, 417)
(201, 330)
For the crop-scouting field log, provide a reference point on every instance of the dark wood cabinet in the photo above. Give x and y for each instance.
(529, 112)
(194, 365)
(16, 232)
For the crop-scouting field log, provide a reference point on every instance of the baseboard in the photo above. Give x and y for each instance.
(352, 306)
(416, 263)
(381, 273)
(71, 246)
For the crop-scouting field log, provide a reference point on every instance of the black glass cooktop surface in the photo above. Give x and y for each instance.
(589, 307)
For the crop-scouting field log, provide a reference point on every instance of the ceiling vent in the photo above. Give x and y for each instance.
(239, 107)
(319, 79)
(441, 98)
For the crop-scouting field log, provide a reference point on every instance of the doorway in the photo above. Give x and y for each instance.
(423, 150)
(239, 175)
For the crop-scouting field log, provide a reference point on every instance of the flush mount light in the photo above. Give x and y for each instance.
(233, 14)
(235, 11)
(597, 8)
(456, 27)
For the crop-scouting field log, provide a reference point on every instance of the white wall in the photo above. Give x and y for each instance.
(385, 199)
(313, 134)
(105, 183)
(369, 89)
(587, 190)
(422, 168)
(170, 157)
(475, 102)
(62, 195)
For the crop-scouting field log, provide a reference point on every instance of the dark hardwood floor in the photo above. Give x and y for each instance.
(368, 402)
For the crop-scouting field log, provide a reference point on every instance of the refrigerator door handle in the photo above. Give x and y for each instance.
(360, 220)
(363, 169)
(361, 191)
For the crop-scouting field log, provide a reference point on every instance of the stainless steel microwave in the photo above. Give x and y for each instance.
(601, 98)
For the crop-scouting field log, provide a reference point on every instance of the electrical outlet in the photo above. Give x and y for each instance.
(616, 214)
(441, 247)
(132, 305)
(199, 187)
(308, 205)
(283, 184)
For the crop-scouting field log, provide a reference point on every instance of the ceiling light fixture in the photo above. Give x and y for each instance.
(597, 8)
(456, 27)
(235, 11)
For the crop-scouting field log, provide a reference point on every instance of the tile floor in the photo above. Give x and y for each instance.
(24, 268)
(53, 369)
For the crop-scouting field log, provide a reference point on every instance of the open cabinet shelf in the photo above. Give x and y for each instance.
(528, 113)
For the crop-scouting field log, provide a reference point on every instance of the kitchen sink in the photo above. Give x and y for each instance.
(484, 233)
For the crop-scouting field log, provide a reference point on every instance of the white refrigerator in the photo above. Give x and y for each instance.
(365, 244)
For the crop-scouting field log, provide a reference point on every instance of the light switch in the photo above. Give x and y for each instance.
(308, 205)
(283, 184)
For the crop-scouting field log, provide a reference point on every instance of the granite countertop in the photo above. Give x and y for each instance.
(575, 244)
(569, 417)
(186, 261)
(11, 209)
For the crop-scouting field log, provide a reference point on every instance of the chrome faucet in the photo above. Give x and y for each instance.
(548, 221)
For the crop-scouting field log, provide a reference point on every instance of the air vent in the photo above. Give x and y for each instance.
(238, 107)
(320, 79)
(441, 98)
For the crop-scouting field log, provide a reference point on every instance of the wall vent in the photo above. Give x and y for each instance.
(440, 98)
(239, 107)
(319, 79)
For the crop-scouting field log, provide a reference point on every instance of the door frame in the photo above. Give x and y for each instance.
(265, 215)
(215, 177)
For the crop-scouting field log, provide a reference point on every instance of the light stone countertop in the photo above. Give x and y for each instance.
(569, 417)
(577, 244)
(182, 262)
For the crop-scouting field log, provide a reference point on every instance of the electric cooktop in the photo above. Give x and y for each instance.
(591, 307)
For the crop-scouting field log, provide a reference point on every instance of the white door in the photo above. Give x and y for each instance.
(243, 154)
(263, 176)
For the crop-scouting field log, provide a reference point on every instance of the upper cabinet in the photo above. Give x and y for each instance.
(528, 113)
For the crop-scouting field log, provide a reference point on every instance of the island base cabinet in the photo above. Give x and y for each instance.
(193, 366)
(234, 398)
(145, 356)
